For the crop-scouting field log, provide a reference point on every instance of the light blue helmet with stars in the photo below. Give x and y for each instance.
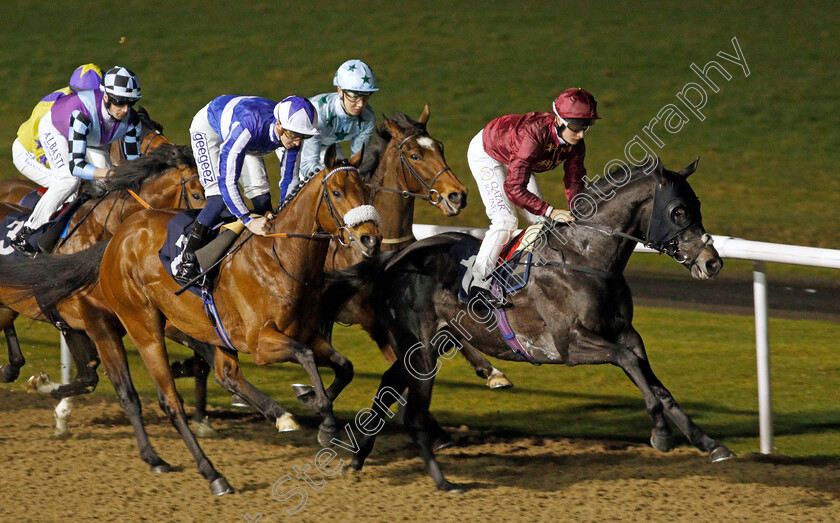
(355, 75)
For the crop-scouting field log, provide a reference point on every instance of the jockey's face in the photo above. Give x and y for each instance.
(289, 140)
(117, 111)
(353, 102)
(569, 136)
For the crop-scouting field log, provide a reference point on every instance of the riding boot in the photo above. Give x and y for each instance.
(486, 296)
(20, 243)
(189, 267)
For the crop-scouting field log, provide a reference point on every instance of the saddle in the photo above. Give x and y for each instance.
(221, 240)
(45, 237)
(513, 268)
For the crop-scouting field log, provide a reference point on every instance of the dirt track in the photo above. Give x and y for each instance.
(97, 474)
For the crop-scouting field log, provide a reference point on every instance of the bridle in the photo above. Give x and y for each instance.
(184, 197)
(432, 195)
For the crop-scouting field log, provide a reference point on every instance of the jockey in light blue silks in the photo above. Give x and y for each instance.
(229, 137)
(74, 135)
(342, 116)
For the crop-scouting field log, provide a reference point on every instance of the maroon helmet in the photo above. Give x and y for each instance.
(576, 103)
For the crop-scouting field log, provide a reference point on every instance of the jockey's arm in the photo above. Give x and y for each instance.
(231, 158)
(518, 176)
(77, 141)
(131, 140)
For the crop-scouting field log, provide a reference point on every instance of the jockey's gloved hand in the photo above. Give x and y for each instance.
(258, 225)
(561, 215)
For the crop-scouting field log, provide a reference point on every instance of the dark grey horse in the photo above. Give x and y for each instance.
(576, 310)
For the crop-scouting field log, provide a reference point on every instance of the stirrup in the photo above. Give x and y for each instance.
(187, 270)
(21, 245)
(488, 297)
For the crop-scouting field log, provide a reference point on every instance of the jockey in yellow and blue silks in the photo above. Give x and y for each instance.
(27, 152)
(229, 137)
(75, 134)
(342, 116)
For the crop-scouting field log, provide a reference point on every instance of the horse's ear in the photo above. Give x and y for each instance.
(356, 160)
(329, 156)
(425, 116)
(688, 171)
(659, 172)
(393, 128)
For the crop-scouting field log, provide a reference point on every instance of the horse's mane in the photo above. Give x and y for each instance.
(604, 185)
(294, 191)
(130, 174)
(382, 137)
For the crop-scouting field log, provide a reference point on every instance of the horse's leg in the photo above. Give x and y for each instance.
(418, 420)
(86, 361)
(199, 369)
(10, 371)
(327, 356)
(229, 375)
(590, 348)
(146, 327)
(394, 380)
(274, 347)
(108, 338)
(484, 369)
(698, 438)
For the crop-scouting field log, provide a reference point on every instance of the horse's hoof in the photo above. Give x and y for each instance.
(499, 382)
(661, 443)
(453, 488)
(161, 468)
(8, 373)
(220, 487)
(203, 429)
(237, 401)
(62, 433)
(443, 442)
(286, 422)
(304, 393)
(720, 453)
(356, 463)
(325, 437)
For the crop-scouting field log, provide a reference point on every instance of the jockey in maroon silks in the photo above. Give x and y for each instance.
(504, 155)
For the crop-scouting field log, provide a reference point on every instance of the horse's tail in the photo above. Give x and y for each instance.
(341, 286)
(51, 278)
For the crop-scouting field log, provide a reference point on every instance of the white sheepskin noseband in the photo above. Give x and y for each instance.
(361, 214)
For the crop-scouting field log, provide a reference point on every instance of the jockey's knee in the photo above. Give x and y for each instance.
(504, 223)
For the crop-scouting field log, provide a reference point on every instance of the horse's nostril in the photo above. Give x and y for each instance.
(457, 198)
(368, 241)
(713, 266)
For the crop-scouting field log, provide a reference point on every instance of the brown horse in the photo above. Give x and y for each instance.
(267, 304)
(407, 163)
(166, 177)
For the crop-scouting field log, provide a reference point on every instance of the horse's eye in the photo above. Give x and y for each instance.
(415, 157)
(337, 194)
(679, 215)
(196, 196)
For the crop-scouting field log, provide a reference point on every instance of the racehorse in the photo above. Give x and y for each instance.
(407, 163)
(13, 191)
(268, 304)
(165, 177)
(577, 308)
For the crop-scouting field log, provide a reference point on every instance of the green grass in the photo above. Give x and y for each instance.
(706, 360)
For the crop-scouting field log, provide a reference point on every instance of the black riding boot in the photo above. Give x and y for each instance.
(20, 243)
(189, 268)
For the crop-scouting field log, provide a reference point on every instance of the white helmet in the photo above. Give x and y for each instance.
(297, 114)
(355, 75)
(121, 84)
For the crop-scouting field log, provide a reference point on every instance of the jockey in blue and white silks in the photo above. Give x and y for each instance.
(342, 116)
(229, 137)
(75, 133)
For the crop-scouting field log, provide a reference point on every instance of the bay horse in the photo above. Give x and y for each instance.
(165, 177)
(405, 163)
(576, 310)
(268, 303)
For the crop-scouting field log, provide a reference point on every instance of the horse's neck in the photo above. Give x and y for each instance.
(627, 212)
(396, 211)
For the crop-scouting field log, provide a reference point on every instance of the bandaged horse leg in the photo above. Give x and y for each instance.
(275, 346)
(484, 369)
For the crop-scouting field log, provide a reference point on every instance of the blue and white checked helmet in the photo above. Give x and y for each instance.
(121, 84)
(297, 114)
(86, 77)
(355, 75)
